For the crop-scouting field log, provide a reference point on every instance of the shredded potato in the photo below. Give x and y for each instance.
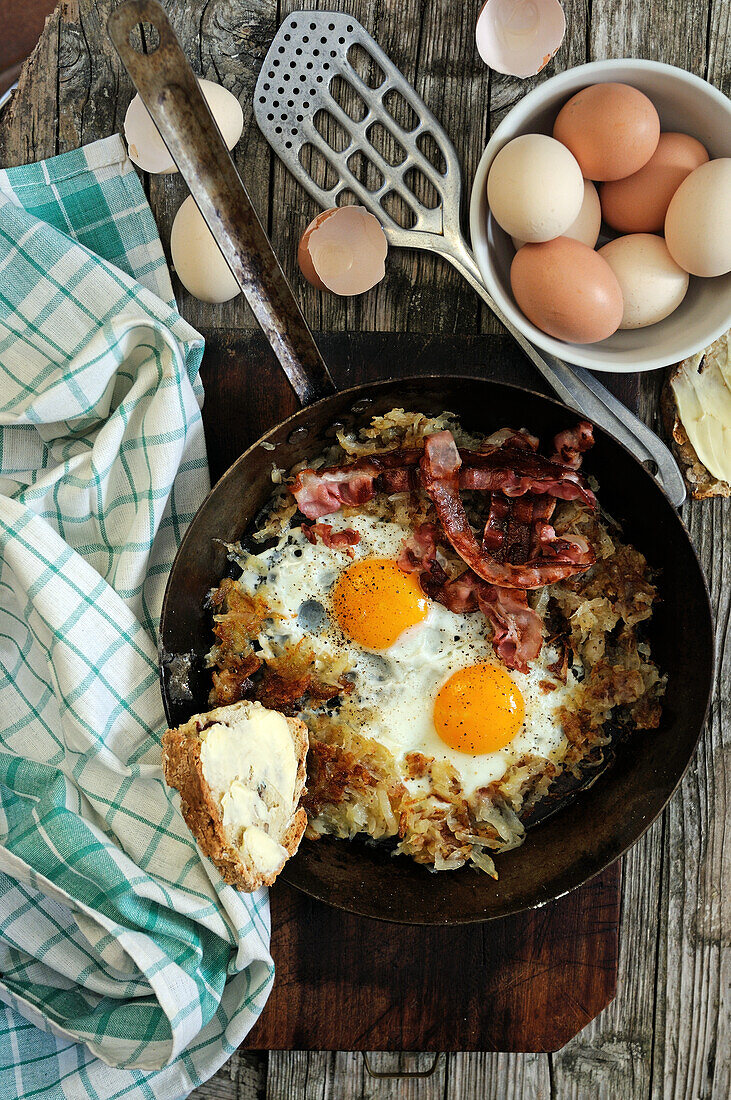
(353, 784)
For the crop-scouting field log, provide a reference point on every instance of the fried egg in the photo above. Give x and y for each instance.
(425, 680)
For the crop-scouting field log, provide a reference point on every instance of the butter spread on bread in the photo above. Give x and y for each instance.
(703, 396)
(696, 405)
(240, 771)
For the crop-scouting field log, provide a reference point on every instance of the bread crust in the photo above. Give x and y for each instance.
(183, 770)
(700, 480)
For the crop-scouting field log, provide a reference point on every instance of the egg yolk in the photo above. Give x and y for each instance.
(479, 709)
(375, 602)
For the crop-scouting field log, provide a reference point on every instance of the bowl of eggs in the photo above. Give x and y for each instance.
(601, 215)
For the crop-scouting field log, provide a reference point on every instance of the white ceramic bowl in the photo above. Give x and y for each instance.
(685, 104)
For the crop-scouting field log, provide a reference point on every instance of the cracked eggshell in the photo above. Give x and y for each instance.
(147, 149)
(519, 37)
(197, 259)
(343, 250)
(588, 222)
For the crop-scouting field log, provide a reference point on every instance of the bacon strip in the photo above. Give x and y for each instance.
(517, 629)
(440, 466)
(514, 472)
(337, 540)
(569, 445)
(511, 468)
(520, 549)
(507, 534)
(520, 438)
(419, 552)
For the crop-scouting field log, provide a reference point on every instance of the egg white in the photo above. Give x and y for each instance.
(397, 687)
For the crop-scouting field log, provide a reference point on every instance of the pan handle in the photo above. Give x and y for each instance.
(171, 94)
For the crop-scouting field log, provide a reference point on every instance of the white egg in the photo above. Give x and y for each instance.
(146, 147)
(535, 189)
(588, 222)
(397, 686)
(652, 284)
(519, 37)
(698, 221)
(197, 259)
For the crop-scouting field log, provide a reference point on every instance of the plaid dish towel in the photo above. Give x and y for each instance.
(127, 967)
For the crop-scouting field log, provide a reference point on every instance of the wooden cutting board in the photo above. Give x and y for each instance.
(525, 983)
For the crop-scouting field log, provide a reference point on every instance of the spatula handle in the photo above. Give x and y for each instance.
(178, 108)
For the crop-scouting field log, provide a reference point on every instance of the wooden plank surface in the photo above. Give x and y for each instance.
(667, 1032)
(528, 982)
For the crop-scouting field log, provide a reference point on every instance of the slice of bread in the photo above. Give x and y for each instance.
(701, 481)
(240, 771)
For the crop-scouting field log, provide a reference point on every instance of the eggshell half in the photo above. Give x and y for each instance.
(147, 149)
(612, 130)
(343, 250)
(568, 290)
(639, 203)
(698, 221)
(652, 284)
(197, 259)
(519, 37)
(588, 223)
(535, 189)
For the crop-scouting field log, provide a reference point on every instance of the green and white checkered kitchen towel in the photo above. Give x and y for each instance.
(128, 968)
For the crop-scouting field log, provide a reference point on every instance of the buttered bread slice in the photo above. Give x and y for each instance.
(696, 407)
(240, 771)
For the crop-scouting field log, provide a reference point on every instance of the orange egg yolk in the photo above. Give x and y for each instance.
(479, 709)
(375, 602)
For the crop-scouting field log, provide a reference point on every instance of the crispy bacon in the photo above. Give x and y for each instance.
(440, 478)
(419, 555)
(510, 468)
(515, 471)
(458, 595)
(520, 438)
(543, 508)
(507, 534)
(569, 445)
(322, 492)
(419, 551)
(517, 628)
(520, 549)
(337, 540)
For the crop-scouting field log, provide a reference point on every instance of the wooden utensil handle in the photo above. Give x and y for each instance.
(178, 108)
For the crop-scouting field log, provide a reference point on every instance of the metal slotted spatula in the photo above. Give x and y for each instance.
(309, 65)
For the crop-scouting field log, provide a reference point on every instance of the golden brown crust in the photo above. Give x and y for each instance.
(701, 481)
(181, 762)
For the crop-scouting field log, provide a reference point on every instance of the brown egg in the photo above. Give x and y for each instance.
(567, 290)
(612, 130)
(639, 203)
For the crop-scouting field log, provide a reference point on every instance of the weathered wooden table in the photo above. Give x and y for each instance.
(667, 1034)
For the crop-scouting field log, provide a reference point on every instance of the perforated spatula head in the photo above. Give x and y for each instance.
(326, 85)
(341, 117)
